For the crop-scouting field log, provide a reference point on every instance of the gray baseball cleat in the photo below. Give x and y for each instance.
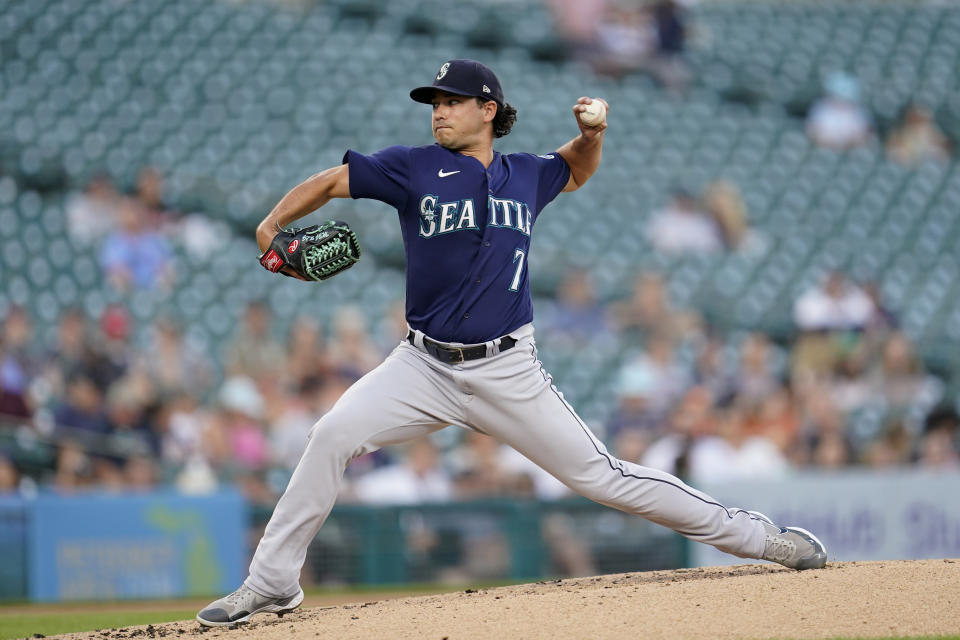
(243, 603)
(791, 546)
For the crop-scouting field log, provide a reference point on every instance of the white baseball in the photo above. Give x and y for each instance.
(594, 114)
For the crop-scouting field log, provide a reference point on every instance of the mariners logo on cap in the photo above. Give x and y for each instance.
(443, 70)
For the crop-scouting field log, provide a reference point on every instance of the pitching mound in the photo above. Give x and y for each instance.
(852, 599)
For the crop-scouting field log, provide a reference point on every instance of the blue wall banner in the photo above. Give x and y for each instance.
(151, 545)
(859, 515)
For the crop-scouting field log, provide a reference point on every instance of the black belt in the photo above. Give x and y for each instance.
(455, 355)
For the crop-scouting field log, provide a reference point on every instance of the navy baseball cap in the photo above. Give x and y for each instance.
(463, 78)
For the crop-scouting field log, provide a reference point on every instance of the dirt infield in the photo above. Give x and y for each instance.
(853, 599)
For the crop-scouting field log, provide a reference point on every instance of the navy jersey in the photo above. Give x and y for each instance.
(466, 232)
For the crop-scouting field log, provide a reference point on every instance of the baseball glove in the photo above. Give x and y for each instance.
(314, 253)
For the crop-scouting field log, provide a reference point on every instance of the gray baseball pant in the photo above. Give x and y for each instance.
(506, 395)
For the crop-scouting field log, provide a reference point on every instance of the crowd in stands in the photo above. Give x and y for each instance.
(845, 389)
(617, 38)
(123, 415)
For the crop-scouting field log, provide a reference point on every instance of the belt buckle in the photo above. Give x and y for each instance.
(458, 358)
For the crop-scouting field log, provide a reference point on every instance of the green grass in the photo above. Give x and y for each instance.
(25, 625)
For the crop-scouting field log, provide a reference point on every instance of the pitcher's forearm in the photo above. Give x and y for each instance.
(306, 197)
(583, 156)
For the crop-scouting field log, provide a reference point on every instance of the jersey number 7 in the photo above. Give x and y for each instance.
(518, 257)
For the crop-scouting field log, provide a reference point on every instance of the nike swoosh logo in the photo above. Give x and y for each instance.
(444, 174)
(547, 157)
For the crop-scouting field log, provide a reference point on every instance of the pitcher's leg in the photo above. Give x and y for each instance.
(536, 421)
(398, 401)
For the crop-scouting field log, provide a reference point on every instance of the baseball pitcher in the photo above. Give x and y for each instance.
(466, 213)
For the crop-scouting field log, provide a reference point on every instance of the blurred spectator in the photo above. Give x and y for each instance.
(70, 352)
(131, 432)
(305, 358)
(17, 363)
(755, 379)
(832, 319)
(76, 351)
(917, 138)
(238, 439)
(180, 425)
(747, 454)
(818, 356)
(134, 256)
(944, 417)
(938, 450)
(723, 201)
(417, 479)
(630, 444)
(823, 442)
(196, 477)
(898, 379)
(291, 427)
(171, 365)
(74, 469)
(114, 341)
(714, 445)
(483, 467)
(9, 476)
(150, 195)
(197, 233)
(619, 38)
(883, 319)
(577, 22)
(73, 345)
(254, 351)
(683, 226)
(92, 214)
(670, 27)
(530, 480)
(81, 413)
(940, 447)
(687, 449)
(656, 376)
(891, 449)
(836, 305)
(637, 410)
(351, 349)
(107, 473)
(624, 41)
(711, 368)
(140, 473)
(183, 426)
(776, 418)
(647, 311)
(838, 121)
(831, 451)
(576, 314)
